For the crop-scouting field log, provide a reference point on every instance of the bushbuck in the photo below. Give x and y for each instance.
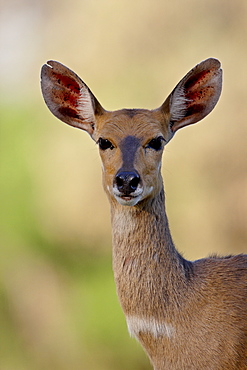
(186, 315)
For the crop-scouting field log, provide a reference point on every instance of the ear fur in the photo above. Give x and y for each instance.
(68, 97)
(195, 95)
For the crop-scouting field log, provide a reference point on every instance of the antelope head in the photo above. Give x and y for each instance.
(131, 141)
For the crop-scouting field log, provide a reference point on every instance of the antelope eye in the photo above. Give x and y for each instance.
(105, 144)
(156, 143)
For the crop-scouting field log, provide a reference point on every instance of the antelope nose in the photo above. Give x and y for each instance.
(127, 181)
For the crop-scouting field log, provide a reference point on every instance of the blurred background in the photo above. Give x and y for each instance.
(58, 306)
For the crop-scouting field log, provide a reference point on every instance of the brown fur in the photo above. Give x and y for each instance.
(186, 315)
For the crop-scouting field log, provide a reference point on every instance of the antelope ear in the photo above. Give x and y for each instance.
(68, 97)
(195, 95)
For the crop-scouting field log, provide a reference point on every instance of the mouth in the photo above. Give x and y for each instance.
(127, 199)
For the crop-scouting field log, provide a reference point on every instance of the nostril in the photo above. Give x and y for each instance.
(120, 182)
(127, 181)
(134, 182)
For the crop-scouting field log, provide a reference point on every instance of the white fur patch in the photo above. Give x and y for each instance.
(178, 104)
(132, 200)
(85, 106)
(151, 326)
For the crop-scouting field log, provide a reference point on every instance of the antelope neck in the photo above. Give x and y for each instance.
(145, 261)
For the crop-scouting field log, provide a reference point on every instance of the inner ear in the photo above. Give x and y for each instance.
(68, 97)
(195, 95)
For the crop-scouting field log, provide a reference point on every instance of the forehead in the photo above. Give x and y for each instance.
(140, 123)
